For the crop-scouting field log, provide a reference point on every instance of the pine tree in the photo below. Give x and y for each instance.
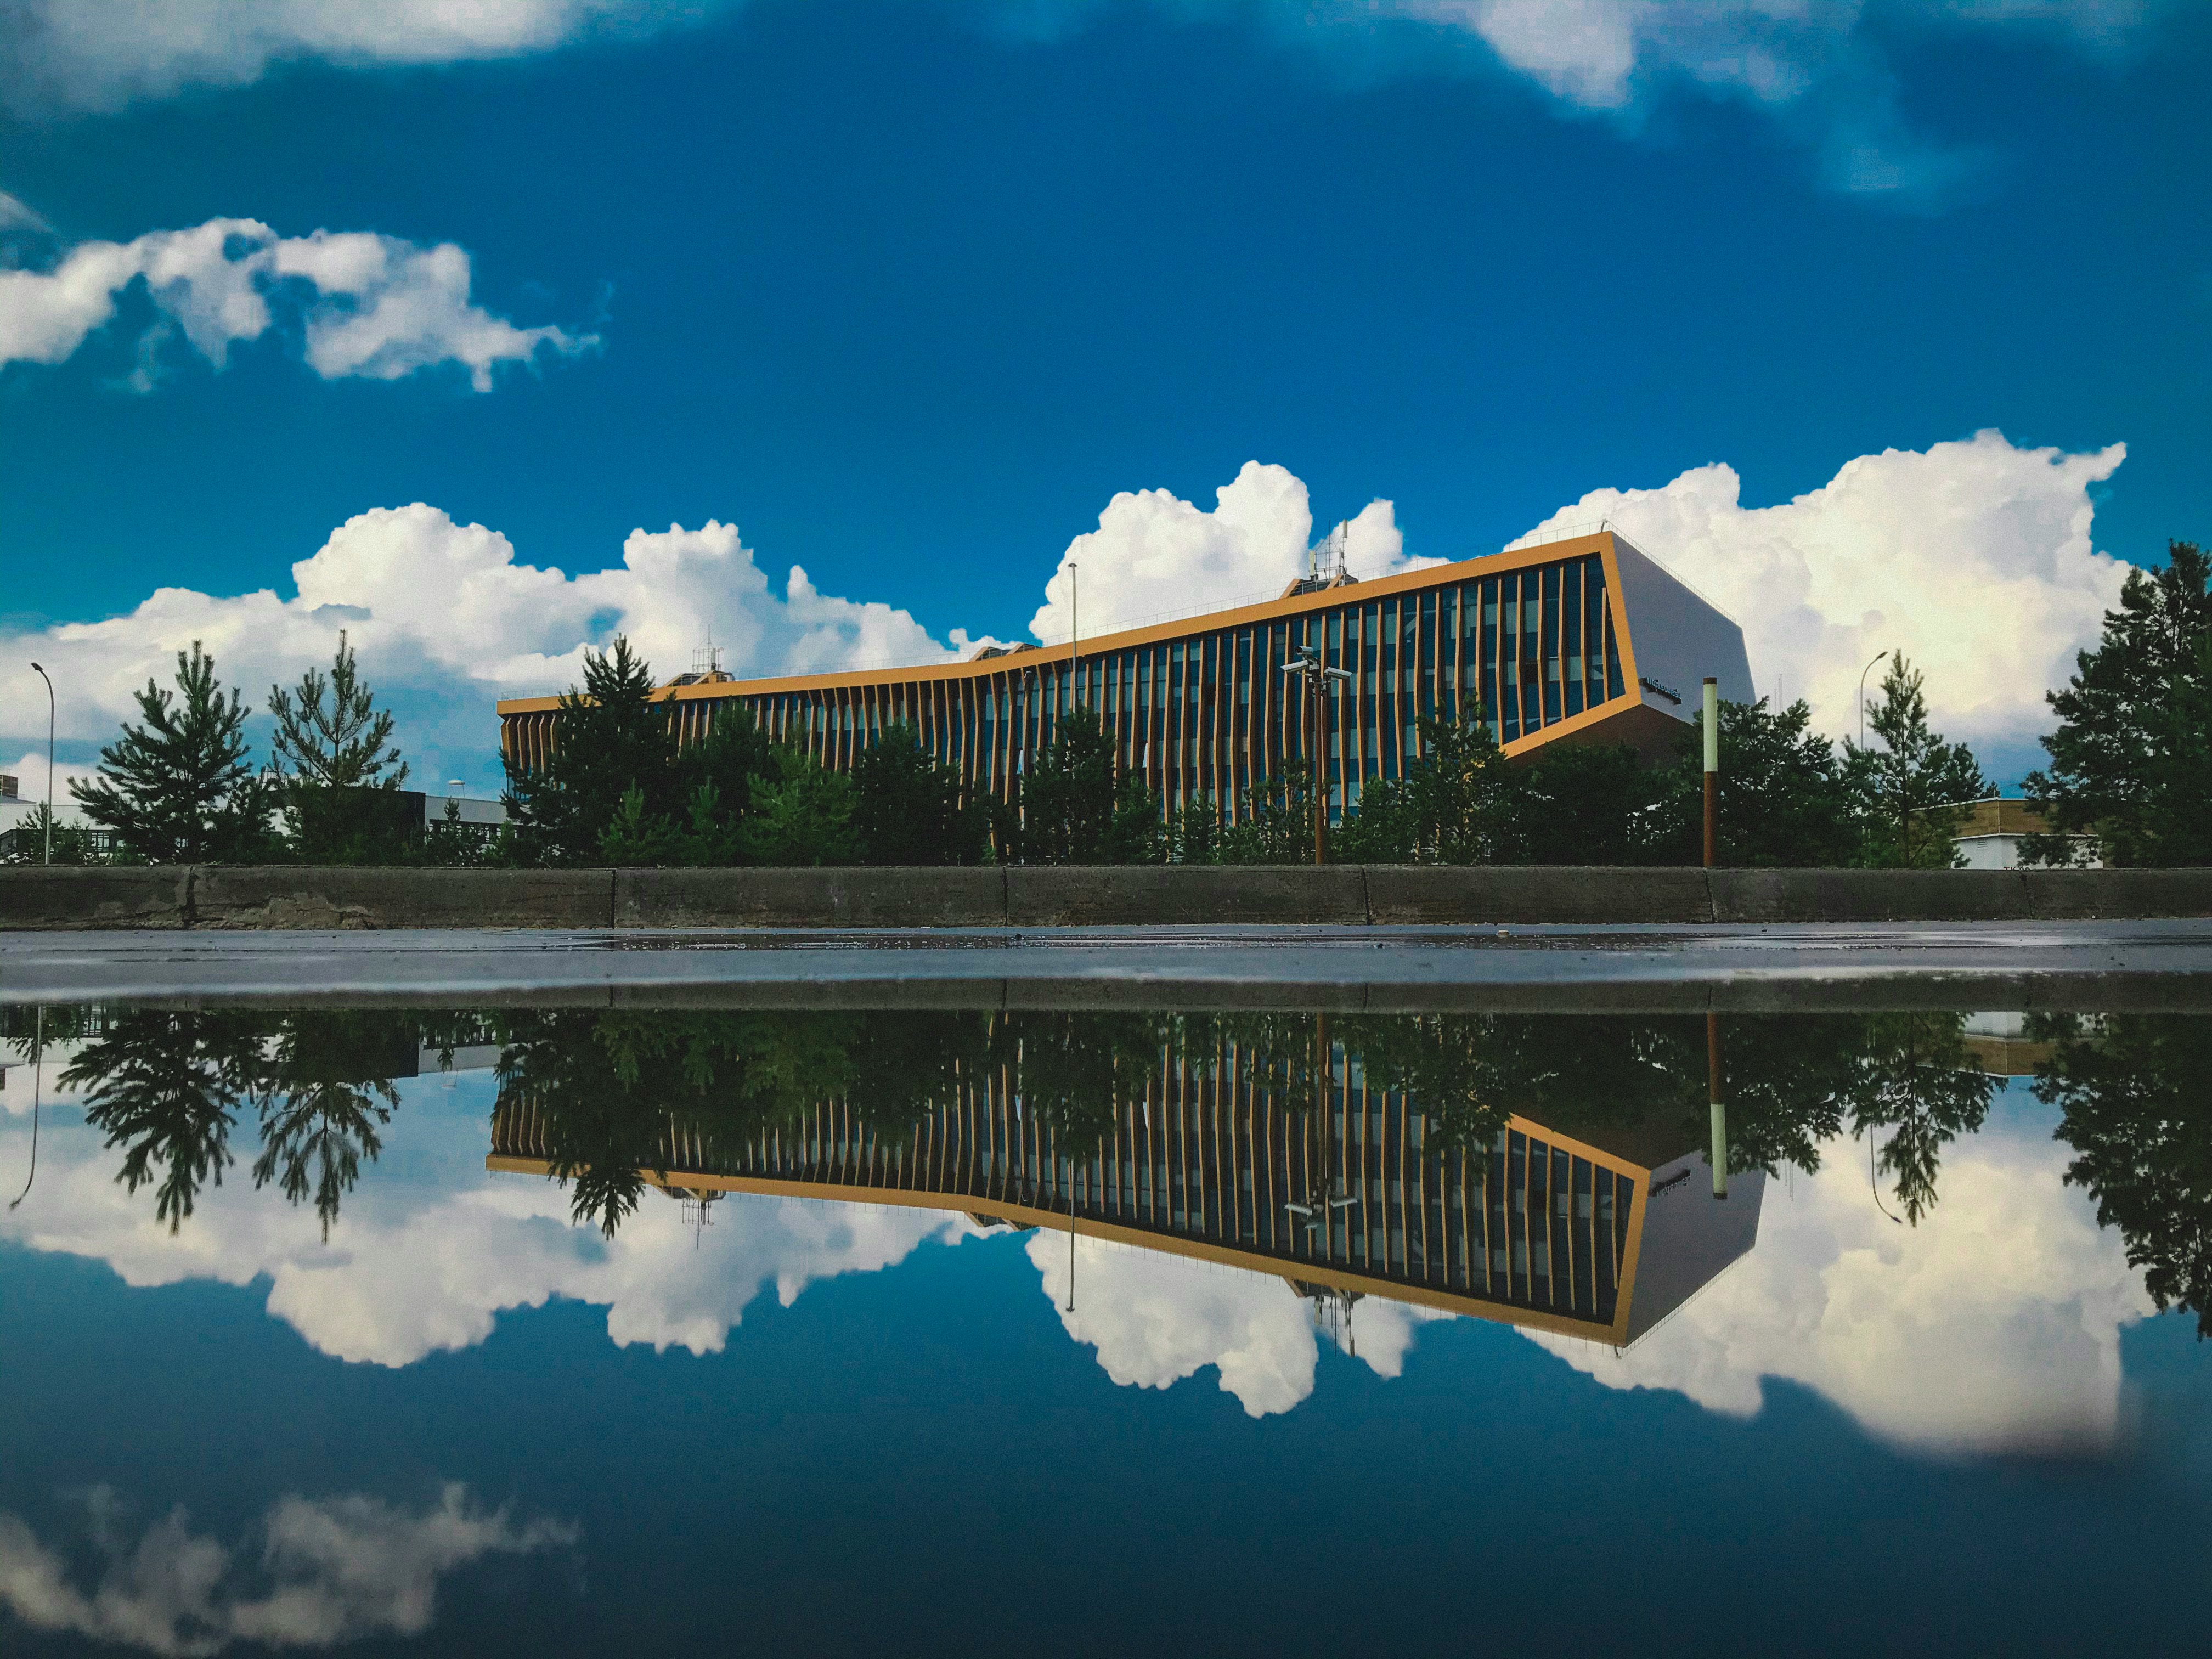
(1075, 808)
(1783, 801)
(609, 739)
(342, 747)
(2129, 762)
(1913, 792)
(331, 743)
(909, 810)
(180, 788)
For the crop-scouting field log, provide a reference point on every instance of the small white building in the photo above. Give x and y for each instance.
(1990, 839)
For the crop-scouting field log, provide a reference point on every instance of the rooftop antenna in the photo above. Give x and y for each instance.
(707, 658)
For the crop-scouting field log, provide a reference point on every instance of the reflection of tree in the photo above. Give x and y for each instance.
(615, 1093)
(325, 1090)
(164, 1087)
(1073, 1072)
(1917, 1079)
(2132, 1090)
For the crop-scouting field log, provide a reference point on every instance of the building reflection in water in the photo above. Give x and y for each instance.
(1226, 1153)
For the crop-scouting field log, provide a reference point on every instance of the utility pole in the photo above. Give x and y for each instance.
(1317, 675)
(1712, 714)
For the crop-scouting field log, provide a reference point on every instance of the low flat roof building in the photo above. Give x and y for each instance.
(1581, 640)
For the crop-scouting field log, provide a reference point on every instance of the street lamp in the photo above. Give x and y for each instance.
(1864, 672)
(47, 856)
(1316, 678)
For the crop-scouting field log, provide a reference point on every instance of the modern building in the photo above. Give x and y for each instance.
(1583, 640)
(1342, 1189)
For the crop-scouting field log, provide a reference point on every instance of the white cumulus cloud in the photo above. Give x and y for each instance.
(1973, 558)
(1155, 554)
(368, 305)
(446, 619)
(331, 1570)
(1992, 1327)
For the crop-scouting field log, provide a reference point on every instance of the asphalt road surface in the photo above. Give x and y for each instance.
(1979, 965)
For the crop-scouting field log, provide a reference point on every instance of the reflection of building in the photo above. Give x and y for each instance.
(1218, 1159)
(1583, 639)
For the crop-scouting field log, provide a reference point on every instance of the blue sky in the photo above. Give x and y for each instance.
(907, 292)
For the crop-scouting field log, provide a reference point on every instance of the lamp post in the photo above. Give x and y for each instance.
(1074, 634)
(46, 855)
(1864, 672)
(1317, 676)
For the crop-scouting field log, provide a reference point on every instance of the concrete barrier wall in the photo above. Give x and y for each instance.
(280, 896)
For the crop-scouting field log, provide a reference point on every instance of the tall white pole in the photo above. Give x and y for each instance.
(1712, 717)
(47, 856)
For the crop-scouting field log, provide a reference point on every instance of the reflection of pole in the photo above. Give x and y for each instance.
(1712, 713)
(1713, 1095)
(38, 1078)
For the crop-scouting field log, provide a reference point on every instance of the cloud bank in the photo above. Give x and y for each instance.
(1973, 557)
(364, 305)
(337, 1570)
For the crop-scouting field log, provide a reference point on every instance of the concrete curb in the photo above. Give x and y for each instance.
(295, 897)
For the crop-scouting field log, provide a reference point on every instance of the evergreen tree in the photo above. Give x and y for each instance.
(331, 741)
(1275, 821)
(1583, 804)
(1075, 810)
(801, 814)
(908, 808)
(1783, 799)
(1913, 792)
(179, 789)
(1195, 835)
(609, 739)
(2130, 762)
(347, 746)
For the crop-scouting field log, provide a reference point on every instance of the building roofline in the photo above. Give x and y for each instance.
(1328, 598)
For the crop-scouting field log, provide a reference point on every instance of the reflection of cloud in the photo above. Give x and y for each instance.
(1156, 1319)
(413, 1267)
(342, 1568)
(1993, 1325)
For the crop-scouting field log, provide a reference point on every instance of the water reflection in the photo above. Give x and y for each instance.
(1355, 1176)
